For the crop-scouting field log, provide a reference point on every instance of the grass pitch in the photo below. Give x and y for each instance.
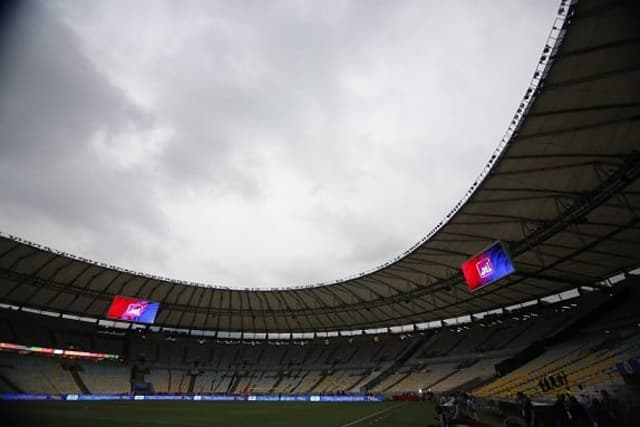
(220, 414)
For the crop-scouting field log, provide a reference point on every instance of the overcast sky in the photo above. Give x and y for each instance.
(253, 143)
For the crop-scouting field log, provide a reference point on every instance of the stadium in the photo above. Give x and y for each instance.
(412, 342)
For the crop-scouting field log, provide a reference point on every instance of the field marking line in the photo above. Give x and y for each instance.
(359, 420)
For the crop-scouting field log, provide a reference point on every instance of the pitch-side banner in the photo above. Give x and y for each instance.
(215, 398)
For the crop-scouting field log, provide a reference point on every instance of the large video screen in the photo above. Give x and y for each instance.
(488, 266)
(133, 310)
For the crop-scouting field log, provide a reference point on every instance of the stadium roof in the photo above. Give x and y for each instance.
(562, 191)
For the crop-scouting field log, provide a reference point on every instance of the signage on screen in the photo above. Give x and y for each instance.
(133, 309)
(488, 266)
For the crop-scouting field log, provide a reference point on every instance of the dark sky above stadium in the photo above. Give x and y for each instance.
(253, 143)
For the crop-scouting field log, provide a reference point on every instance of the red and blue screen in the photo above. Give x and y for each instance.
(488, 266)
(133, 310)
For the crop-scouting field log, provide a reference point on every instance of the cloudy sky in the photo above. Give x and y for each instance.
(252, 143)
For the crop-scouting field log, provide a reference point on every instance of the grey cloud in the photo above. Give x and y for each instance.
(52, 103)
(326, 137)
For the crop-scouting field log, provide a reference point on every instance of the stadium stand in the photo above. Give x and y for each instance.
(439, 360)
(106, 377)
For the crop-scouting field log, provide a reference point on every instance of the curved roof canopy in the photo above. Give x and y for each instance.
(562, 190)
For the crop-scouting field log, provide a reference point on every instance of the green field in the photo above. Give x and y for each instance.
(220, 414)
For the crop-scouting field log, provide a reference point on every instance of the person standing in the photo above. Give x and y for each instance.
(561, 417)
(541, 385)
(525, 412)
(526, 408)
(471, 406)
(579, 416)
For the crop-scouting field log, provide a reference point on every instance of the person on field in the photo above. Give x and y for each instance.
(471, 406)
(525, 412)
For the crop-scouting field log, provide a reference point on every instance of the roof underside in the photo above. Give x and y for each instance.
(564, 195)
